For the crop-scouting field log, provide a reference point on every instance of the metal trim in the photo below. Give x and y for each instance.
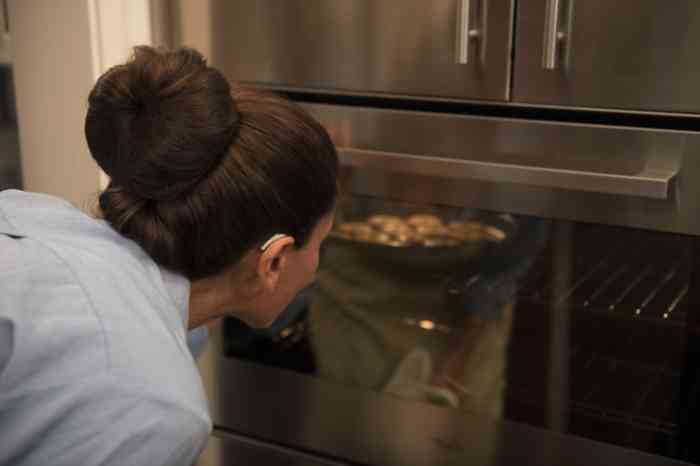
(650, 183)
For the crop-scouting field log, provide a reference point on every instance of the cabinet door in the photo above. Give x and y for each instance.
(627, 54)
(439, 48)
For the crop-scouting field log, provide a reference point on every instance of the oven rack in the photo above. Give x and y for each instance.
(614, 284)
(624, 389)
(602, 389)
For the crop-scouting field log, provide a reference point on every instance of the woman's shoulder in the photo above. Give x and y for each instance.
(105, 418)
(82, 279)
(78, 239)
(21, 198)
(43, 215)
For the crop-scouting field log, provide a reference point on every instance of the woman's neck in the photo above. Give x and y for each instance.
(210, 299)
(215, 297)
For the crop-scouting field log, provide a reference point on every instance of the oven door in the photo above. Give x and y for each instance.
(494, 292)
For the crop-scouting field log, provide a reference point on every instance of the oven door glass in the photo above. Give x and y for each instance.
(578, 328)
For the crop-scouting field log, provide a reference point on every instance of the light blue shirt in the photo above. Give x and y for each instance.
(95, 367)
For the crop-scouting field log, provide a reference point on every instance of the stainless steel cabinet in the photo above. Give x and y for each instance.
(627, 54)
(438, 48)
(622, 54)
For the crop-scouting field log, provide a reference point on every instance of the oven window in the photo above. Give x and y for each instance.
(578, 328)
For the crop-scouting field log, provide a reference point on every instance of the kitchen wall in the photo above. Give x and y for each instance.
(196, 31)
(59, 48)
(52, 63)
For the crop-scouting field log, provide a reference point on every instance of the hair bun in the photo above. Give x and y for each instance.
(159, 123)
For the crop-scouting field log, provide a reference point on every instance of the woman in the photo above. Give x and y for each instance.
(218, 202)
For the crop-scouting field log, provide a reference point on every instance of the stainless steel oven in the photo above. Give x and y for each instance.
(513, 273)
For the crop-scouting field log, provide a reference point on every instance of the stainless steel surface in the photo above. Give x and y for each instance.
(161, 18)
(625, 54)
(649, 182)
(551, 35)
(227, 449)
(361, 46)
(465, 32)
(363, 426)
(489, 103)
(369, 428)
(463, 29)
(599, 150)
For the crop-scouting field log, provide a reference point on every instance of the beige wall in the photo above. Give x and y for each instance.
(195, 32)
(53, 75)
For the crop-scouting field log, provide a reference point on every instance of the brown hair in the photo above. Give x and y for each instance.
(201, 173)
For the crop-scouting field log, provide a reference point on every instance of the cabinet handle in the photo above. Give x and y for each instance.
(552, 35)
(465, 33)
(651, 182)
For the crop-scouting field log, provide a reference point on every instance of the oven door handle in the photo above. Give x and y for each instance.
(651, 183)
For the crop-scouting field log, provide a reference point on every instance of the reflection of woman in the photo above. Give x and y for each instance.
(420, 332)
(217, 205)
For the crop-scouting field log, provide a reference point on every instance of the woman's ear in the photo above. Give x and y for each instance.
(272, 261)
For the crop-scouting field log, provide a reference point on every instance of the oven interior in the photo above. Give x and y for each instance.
(574, 327)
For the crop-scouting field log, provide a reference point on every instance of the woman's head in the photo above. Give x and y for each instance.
(202, 174)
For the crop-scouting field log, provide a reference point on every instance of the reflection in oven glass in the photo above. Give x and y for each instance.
(464, 309)
(408, 305)
(626, 298)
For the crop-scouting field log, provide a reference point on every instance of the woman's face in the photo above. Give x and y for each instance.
(298, 272)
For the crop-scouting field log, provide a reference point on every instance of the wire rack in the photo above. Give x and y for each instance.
(626, 296)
